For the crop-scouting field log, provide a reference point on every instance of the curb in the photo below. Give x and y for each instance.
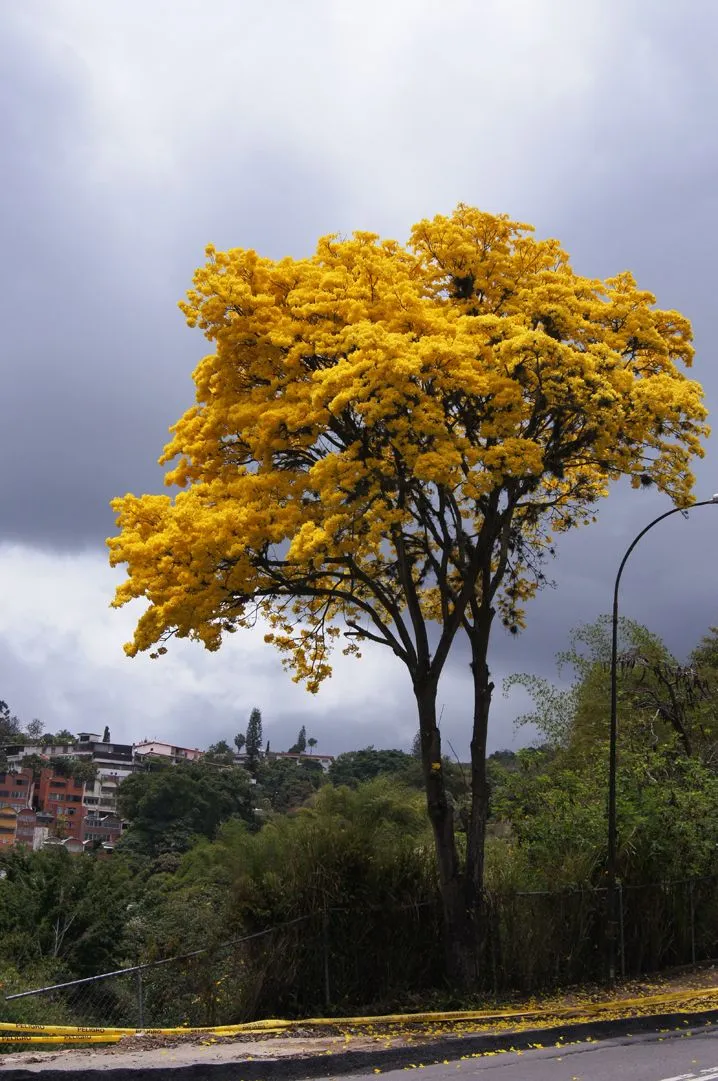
(350, 1062)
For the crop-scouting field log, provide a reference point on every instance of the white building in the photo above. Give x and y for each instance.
(157, 749)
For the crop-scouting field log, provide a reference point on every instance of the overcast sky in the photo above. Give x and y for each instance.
(134, 133)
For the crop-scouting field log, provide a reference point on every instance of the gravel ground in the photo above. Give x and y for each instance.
(181, 1050)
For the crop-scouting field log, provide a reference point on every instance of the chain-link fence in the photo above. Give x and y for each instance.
(555, 939)
(326, 962)
(346, 960)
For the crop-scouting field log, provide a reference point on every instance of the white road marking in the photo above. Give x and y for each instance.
(709, 1073)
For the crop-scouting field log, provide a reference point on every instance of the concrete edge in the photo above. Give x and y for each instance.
(351, 1062)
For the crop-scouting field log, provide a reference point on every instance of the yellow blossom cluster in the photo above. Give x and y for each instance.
(386, 434)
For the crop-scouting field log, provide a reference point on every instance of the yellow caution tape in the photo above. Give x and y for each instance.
(57, 1030)
(274, 1026)
(16, 1037)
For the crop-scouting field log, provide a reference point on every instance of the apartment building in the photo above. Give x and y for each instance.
(106, 828)
(111, 759)
(33, 828)
(166, 752)
(17, 788)
(101, 794)
(113, 762)
(62, 797)
(46, 808)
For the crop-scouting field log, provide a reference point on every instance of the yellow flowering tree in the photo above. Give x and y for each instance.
(384, 442)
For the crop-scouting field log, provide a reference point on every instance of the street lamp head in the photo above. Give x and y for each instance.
(714, 498)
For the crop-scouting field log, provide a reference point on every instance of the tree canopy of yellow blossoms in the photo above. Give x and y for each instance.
(387, 437)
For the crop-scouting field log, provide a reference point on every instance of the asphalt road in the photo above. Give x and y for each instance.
(688, 1056)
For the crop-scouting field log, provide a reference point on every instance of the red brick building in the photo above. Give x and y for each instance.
(61, 797)
(16, 789)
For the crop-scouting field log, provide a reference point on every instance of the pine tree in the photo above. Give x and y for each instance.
(254, 738)
(301, 745)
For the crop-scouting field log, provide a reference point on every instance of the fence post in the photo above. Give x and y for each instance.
(325, 954)
(692, 914)
(140, 1001)
(622, 939)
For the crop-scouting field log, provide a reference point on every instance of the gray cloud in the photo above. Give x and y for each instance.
(134, 135)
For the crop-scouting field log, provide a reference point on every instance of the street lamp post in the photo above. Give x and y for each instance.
(611, 860)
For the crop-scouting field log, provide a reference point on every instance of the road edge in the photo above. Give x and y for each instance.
(346, 1062)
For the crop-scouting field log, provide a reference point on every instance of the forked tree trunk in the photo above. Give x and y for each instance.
(479, 811)
(460, 958)
(462, 887)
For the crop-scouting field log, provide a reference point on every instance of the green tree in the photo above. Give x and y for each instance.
(66, 911)
(106, 735)
(239, 741)
(355, 767)
(555, 805)
(10, 728)
(254, 739)
(64, 736)
(169, 809)
(554, 798)
(287, 785)
(81, 770)
(311, 744)
(34, 762)
(301, 745)
(220, 753)
(34, 730)
(358, 863)
(657, 694)
(367, 846)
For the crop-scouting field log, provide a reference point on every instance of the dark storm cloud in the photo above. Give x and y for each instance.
(79, 397)
(113, 186)
(96, 359)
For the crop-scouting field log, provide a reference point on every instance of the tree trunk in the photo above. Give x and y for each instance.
(460, 959)
(479, 812)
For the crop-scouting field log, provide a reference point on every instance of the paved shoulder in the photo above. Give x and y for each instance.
(690, 1056)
